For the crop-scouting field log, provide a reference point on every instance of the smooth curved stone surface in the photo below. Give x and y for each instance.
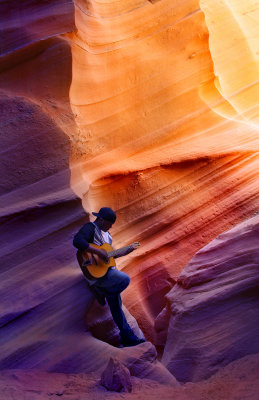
(214, 306)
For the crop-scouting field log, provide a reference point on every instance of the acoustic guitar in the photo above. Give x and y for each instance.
(96, 266)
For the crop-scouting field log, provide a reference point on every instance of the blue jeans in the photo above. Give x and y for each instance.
(111, 285)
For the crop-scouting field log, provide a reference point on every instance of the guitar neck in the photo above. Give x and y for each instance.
(118, 252)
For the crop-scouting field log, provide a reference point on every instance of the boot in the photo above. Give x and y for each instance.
(130, 339)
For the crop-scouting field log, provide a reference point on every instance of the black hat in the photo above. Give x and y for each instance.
(106, 213)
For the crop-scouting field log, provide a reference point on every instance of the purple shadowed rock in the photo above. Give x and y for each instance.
(213, 308)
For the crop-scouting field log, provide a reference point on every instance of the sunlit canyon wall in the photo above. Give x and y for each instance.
(165, 96)
(147, 107)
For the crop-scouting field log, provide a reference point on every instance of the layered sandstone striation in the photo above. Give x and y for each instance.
(168, 130)
(214, 306)
(44, 298)
(39, 211)
(35, 76)
(150, 115)
(234, 91)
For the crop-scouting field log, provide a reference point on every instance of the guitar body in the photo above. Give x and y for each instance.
(95, 265)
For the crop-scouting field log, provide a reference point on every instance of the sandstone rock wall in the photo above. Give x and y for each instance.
(154, 89)
(134, 99)
(44, 298)
(39, 211)
(214, 306)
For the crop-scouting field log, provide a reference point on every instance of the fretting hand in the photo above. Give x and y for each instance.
(134, 246)
(103, 255)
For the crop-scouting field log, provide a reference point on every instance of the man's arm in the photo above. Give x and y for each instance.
(83, 239)
(99, 252)
(126, 250)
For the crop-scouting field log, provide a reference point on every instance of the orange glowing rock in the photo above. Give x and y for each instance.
(236, 60)
(165, 99)
(152, 106)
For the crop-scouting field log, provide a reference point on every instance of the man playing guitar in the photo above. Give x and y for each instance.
(96, 259)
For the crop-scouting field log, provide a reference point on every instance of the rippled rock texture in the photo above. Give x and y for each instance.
(154, 114)
(165, 98)
(214, 306)
(38, 208)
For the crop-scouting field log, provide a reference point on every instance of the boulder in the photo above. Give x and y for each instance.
(116, 377)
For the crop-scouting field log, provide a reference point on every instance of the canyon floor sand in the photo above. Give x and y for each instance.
(237, 381)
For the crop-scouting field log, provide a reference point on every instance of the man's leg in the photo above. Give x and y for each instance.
(111, 286)
(118, 315)
(113, 282)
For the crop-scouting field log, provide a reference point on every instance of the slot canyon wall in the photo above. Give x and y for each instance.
(166, 102)
(148, 107)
